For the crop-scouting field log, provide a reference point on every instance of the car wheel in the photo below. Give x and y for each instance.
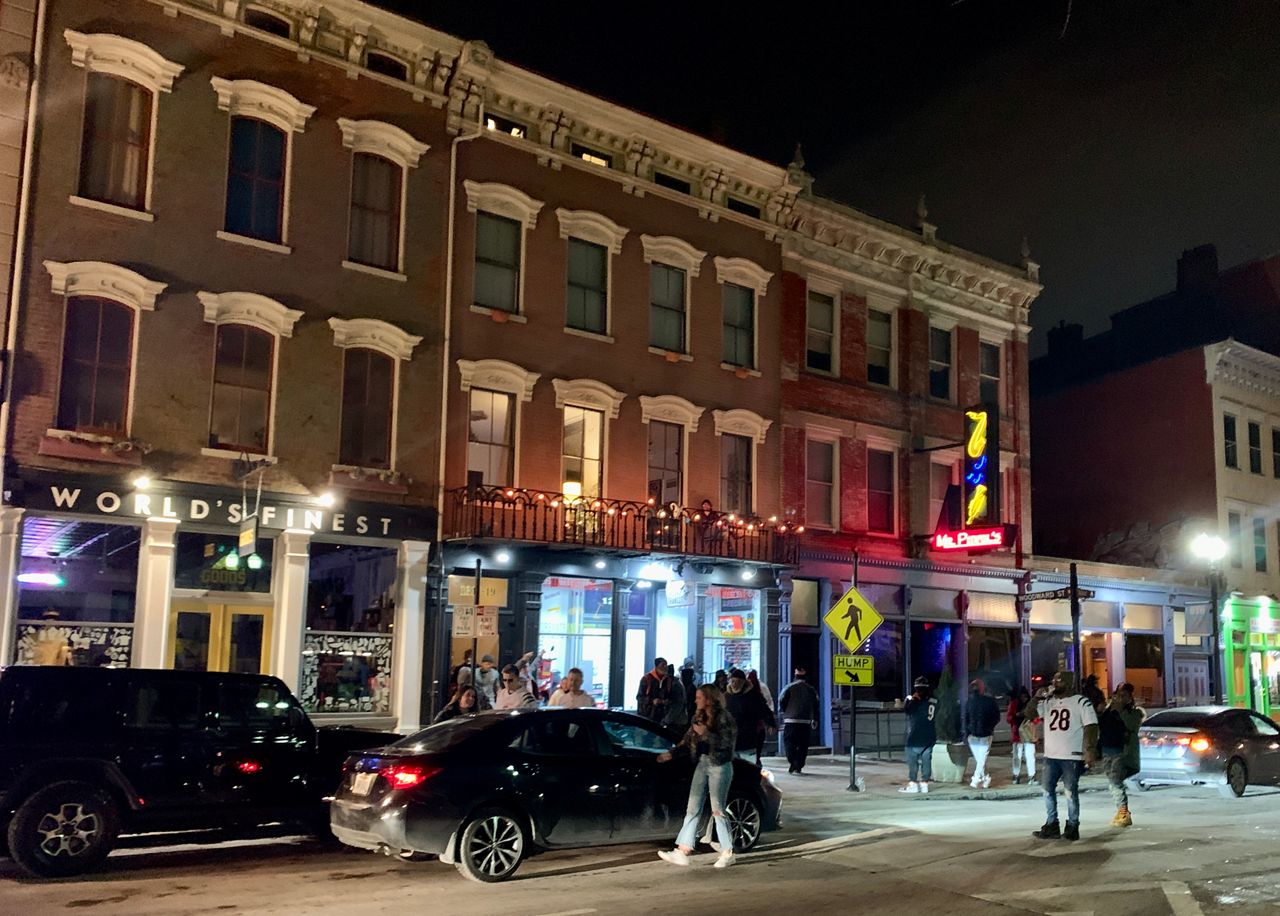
(63, 829)
(491, 846)
(1237, 779)
(744, 819)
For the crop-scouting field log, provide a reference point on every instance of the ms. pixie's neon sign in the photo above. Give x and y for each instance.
(981, 467)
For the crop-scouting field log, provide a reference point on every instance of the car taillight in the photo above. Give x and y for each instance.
(408, 775)
(1200, 744)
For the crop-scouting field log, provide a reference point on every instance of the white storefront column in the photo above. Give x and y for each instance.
(292, 570)
(10, 558)
(155, 581)
(410, 630)
(1115, 662)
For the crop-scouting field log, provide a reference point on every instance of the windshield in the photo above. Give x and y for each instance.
(447, 735)
(1176, 719)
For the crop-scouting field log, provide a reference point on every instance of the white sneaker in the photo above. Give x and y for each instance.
(975, 782)
(673, 857)
(726, 859)
(986, 782)
(910, 788)
(924, 788)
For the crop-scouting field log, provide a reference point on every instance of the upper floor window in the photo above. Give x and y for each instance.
(504, 126)
(116, 149)
(667, 307)
(1234, 547)
(664, 180)
(386, 65)
(879, 347)
(587, 301)
(497, 262)
(1275, 453)
(97, 358)
(940, 363)
(593, 156)
(261, 19)
(940, 479)
(240, 418)
(583, 449)
(1231, 453)
(881, 508)
(736, 473)
(1259, 544)
(256, 180)
(741, 206)
(989, 373)
(739, 304)
(368, 403)
(820, 333)
(491, 437)
(376, 190)
(666, 462)
(1255, 448)
(822, 494)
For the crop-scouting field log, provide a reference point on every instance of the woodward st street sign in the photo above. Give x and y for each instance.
(1058, 594)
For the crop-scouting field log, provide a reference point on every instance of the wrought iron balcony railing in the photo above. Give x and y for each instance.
(515, 514)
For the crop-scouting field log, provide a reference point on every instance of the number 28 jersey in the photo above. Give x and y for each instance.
(1064, 722)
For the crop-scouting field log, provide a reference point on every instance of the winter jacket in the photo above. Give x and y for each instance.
(717, 744)
(677, 713)
(1118, 735)
(921, 731)
(651, 698)
(980, 716)
(799, 702)
(749, 712)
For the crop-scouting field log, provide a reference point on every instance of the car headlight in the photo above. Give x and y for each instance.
(766, 775)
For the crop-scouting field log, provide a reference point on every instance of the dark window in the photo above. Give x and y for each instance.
(628, 739)
(497, 262)
(879, 347)
(259, 19)
(351, 588)
(556, 736)
(255, 180)
(586, 306)
(735, 473)
(664, 180)
(989, 373)
(1275, 453)
(58, 706)
(739, 325)
(1234, 546)
(587, 154)
(504, 126)
(386, 65)
(1255, 448)
(820, 483)
(162, 704)
(667, 307)
(97, 352)
(741, 206)
(375, 212)
(1260, 544)
(880, 492)
(666, 462)
(582, 460)
(1230, 454)
(820, 332)
(490, 437)
(940, 363)
(368, 392)
(241, 414)
(256, 707)
(1175, 719)
(116, 144)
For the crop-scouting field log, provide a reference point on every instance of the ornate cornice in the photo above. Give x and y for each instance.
(382, 139)
(587, 392)
(741, 422)
(1233, 363)
(670, 408)
(110, 281)
(255, 310)
(373, 334)
(251, 99)
(124, 57)
(498, 375)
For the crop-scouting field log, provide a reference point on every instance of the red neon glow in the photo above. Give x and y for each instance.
(248, 766)
(970, 539)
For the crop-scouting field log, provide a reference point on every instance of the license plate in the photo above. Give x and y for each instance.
(362, 783)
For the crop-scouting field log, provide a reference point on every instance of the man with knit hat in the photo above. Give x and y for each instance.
(1070, 740)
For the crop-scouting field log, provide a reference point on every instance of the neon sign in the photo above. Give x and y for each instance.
(981, 466)
(970, 539)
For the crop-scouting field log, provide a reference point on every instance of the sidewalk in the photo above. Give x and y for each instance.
(829, 773)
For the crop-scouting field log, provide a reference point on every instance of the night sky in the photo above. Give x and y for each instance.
(1149, 127)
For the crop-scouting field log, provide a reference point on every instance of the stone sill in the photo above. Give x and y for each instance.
(114, 209)
(344, 476)
(375, 271)
(55, 444)
(672, 356)
(254, 243)
(498, 315)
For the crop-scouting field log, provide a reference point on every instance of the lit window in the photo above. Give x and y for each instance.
(374, 232)
(240, 416)
(820, 333)
(940, 363)
(666, 462)
(879, 347)
(739, 304)
(97, 358)
(880, 492)
(497, 262)
(989, 373)
(490, 440)
(582, 459)
(368, 397)
(820, 483)
(116, 145)
(595, 157)
(504, 126)
(667, 307)
(586, 306)
(255, 180)
(735, 473)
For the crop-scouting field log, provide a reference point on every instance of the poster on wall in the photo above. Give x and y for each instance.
(679, 593)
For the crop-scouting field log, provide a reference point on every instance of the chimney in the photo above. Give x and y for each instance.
(1198, 268)
(1066, 340)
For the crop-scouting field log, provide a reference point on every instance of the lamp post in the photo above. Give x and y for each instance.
(1211, 549)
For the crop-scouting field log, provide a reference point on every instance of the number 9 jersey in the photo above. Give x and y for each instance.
(1064, 722)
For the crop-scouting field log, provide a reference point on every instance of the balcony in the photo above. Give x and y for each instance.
(513, 514)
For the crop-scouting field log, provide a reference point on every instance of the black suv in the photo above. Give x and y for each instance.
(88, 753)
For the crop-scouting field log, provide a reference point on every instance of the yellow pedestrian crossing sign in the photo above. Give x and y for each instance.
(856, 670)
(852, 619)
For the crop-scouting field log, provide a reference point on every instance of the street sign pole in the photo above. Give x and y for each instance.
(854, 784)
(1075, 625)
(475, 639)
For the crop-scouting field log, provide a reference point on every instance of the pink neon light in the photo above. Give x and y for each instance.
(972, 539)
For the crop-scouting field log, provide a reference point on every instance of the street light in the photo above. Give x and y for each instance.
(1211, 549)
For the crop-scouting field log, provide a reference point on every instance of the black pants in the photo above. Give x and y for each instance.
(795, 738)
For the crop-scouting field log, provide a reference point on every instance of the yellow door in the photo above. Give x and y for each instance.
(206, 636)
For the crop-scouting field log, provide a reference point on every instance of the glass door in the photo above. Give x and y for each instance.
(205, 636)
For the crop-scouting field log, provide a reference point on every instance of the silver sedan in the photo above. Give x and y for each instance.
(1219, 746)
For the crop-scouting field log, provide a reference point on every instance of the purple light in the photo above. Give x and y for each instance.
(41, 578)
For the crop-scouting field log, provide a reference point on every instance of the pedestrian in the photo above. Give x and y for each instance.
(677, 714)
(655, 691)
(1070, 737)
(921, 709)
(798, 705)
(1118, 740)
(1022, 734)
(710, 742)
(465, 702)
(570, 694)
(457, 670)
(980, 717)
(688, 675)
(722, 680)
(763, 730)
(754, 677)
(515, 691)
(486, 679)
(1093, 693)
(750, 714)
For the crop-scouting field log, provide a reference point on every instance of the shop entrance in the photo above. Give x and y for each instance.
(1264, 681)
(212, 636)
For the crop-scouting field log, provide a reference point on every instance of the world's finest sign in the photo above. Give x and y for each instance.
(183, 502)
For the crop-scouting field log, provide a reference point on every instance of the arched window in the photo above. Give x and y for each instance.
(374, 237)
(261, 19)
(240, 416)
(368, 404)
(97, 355)
(116, 146)
(255, 180)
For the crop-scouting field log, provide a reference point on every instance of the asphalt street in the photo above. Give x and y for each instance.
(953, 851)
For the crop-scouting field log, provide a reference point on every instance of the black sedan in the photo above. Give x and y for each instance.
(483, 791)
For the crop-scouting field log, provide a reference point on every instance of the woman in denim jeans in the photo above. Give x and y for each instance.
(709, 740)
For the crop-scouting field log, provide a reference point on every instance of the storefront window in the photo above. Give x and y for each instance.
(1049, 649)
(731, 635)
(77, 584)
(346, 665)
(575, 626)
(886, 645)
(1144, 668)
(211, 562)
(993, 657)
(933, 649)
